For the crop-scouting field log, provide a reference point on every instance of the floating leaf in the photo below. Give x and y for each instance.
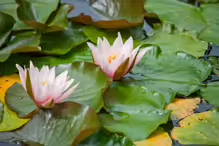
(10, 121)
(171, 43)
(182, 108)
(201, 128)
(24, 104)
(5, 83)
(87, 94)
(133, 105)
(158, 138)
(104, 138)
(209, 12)
(64, 124)
(36, 13)
(210, 93)
(179, 13)
(61, 42)
(6, 25)
(109, 14)
(169, 74)
(215, 64)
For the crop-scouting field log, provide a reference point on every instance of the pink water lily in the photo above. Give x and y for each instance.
(116, 60)
(46, 88)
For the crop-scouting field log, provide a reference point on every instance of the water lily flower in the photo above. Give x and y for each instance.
(45, 88)
(116, 60)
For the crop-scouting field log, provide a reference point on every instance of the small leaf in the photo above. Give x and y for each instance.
(5, 83)
(10, 121)
(210, 93)
(198, 129)
(158, 138)
(64, 124)
(134, 105)
(182, 108)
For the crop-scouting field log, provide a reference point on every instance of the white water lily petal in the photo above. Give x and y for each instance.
(23, 75)
(66, 94)
(109, 58)
(141, 54)
(46, 87)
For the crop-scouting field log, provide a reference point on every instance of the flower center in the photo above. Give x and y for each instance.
(111, 58)
(44, 83)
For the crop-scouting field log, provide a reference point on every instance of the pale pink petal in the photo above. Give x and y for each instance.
(51, 76)
(105, 44)
(61, 78)
(34, 78)
(128, 46)
(66, 94)
(141, 54)
(118, 43)
(43, 95)
(57, 91)
(97, 56)
(132, 56)
(99, 42)
(68, 84)
(23, 75)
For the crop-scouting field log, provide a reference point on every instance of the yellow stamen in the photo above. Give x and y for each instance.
(45, 83)
(111, 58)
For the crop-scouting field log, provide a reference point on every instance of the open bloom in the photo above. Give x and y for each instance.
(46, 88)
(116, 60)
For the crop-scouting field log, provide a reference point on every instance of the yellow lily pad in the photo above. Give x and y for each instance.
(5, 83)
(158, 138)
(10, 120)
(182, 108)
(198, 129)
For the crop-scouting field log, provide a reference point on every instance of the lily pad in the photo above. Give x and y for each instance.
(61, 42)
(158, 138)
(6, 25)
(182, 108)
(10, 120)
(24, 104)
(169, 74)
(198, 129)
(215, 64)
(105, 138)
(210, 93)
(171, 43)
(93, 82)
(209, 12)
(133, 105)
(64, 124)
(108, 14)
(181, 14)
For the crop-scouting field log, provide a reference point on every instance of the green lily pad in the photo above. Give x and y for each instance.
(64, 124)
(169, 74)
(198, 129)
(10, 120)
(171, 43)
(210, 93)
(24, 104)
(6, 25)
(36, 13)
(133, 105)
(61, 42)
(181, 14)
(109, 14)
(93, 82)
(105, 138)
(209, 12)
(215, 64)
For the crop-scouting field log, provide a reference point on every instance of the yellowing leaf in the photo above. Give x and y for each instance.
(198, 129)
(5, 83)
(158, 138)
(11, 121)
(182, 108)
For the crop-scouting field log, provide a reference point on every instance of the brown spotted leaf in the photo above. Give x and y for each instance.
(182, 108)
(158, 138)
(198, 129)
